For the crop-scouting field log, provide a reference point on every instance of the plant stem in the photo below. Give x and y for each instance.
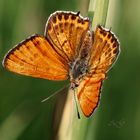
(72, 128)
(98, 12)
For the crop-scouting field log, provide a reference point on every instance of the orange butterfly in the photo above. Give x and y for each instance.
(68, 50)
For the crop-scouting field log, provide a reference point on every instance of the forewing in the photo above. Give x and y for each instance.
(36, 57)
(89, 93)
(104, 51)
(66, 30)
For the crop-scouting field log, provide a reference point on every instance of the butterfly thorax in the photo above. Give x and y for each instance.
(78, 69)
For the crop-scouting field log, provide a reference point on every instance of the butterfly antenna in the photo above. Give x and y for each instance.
(78, 114)
(55, 93)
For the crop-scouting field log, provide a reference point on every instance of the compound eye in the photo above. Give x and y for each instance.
(76, 85)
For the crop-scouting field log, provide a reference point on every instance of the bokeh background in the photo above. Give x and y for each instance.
(24, 117)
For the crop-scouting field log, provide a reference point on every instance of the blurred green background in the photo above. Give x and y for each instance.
(24, 117)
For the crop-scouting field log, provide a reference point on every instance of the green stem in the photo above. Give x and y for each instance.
(71, 127)
(98, 12)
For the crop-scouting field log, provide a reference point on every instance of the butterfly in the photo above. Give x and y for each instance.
(70, 50)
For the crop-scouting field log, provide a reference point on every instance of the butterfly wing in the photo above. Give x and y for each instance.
(36, 57)
(89, 93)
(66, 31)
(104, 52)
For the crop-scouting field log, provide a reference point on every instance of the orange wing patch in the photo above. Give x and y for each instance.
(66, 30)
(89, 93)
(35, 57)
(104, 51)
